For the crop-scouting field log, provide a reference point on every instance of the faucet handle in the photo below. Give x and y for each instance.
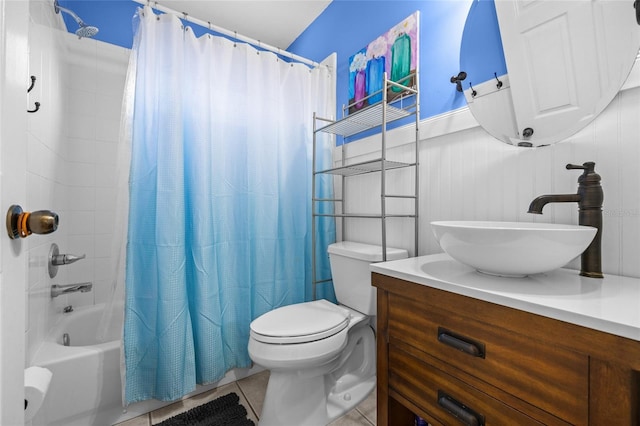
(65, 259)
(588, 167)
(589, 177)
(56, 259)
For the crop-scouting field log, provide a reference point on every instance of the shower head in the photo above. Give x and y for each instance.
(84, 30)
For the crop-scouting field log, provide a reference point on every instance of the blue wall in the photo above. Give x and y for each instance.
(481, 53)
(346, 26)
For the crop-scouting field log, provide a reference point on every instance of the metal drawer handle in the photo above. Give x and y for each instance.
(460, 411)
(461, 343)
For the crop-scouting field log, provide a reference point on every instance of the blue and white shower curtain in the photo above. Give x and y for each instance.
(219, 227)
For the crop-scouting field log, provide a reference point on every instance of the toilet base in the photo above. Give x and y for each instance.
(295, 397)
(339, 404)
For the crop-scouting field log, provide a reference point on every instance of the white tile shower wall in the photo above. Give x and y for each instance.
(97, 73)
(71, 156)
(469, 175)
(46, 171)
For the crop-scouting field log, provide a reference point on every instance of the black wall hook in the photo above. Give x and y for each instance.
(33, 83)
(473, 91)
(499, 85)
(37, 104)
(457, 80)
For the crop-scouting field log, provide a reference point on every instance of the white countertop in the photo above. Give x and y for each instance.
(611, 304)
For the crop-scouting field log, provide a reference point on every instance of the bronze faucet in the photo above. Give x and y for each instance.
(589, 199)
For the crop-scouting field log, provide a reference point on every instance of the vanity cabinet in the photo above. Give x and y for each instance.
(454, 359)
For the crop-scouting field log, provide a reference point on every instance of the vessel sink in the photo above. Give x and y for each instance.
(512, 249)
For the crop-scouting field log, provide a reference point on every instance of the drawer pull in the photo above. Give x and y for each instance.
(460, 343)
(460, 411)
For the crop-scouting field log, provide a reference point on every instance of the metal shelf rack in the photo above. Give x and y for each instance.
(406, 103)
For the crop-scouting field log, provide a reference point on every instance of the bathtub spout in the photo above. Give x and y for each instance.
(57, 290)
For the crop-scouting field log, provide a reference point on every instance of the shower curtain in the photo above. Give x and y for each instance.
(219, 227)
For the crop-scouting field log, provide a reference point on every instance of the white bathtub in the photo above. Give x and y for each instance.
(86, 387)
(86, 382)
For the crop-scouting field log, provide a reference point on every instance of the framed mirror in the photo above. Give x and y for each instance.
(539, 71)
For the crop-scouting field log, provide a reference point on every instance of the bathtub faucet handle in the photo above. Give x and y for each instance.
(65, 259)
(56, 259)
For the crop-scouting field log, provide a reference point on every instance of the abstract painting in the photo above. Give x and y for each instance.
(396, 53)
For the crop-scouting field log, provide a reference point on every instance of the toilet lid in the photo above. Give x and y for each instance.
(300, 323)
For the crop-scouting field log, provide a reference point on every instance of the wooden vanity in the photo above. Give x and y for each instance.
(458, 347)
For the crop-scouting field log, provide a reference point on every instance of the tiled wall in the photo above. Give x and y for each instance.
(71, 152)
(469, 175)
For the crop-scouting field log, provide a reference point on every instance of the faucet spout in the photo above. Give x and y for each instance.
(537, 204)
(589, 198)
(57, 290)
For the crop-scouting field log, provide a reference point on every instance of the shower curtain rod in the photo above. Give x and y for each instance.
(232, 34)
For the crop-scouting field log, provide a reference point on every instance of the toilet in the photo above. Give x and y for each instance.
(322, 355)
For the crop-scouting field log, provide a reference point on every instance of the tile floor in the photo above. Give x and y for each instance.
(251, 392)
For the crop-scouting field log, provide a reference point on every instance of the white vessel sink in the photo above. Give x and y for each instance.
(512, 249)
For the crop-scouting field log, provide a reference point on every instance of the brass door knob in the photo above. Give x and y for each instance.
(21, 224)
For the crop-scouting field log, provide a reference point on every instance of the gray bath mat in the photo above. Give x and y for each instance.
(223, 411)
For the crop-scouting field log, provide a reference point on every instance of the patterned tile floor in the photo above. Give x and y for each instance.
(251, 391)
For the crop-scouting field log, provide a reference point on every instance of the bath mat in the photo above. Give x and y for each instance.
(223, 411)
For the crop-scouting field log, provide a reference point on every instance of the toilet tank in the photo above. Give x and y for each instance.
(351, 275)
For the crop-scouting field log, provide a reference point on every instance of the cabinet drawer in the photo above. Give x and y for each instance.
(447, 398)
(549, 377)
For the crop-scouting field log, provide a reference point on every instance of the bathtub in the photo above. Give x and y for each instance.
(86, 382)
(86, 386)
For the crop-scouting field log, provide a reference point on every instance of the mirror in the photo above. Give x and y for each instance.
(539, 71)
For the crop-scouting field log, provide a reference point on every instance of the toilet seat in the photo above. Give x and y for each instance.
(300, 323)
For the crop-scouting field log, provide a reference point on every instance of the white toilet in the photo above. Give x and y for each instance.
(321, 355)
